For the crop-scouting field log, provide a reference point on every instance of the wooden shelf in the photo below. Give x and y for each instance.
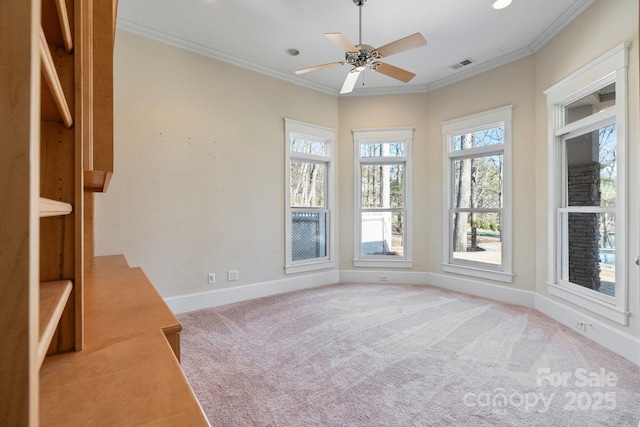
(53, 298)
(96, 181)
(65, 26)
(53, 81)
(130, 361)
(50, 207)
(57, 16)
(73, 54)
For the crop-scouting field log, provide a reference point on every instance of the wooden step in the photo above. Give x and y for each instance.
(50, 207)
(53, 298)
(53, 81)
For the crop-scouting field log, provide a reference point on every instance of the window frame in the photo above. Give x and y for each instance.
(372, 136)
(499, 117)
(327, 136)
(609, 68)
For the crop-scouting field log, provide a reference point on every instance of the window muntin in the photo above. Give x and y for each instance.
(477, 203)
(591, 135)
(589, 250)
(382, 149)
(480, 244)
(382, 233)
(308, 184)
(477, 206)
(478, 182)
(309, 200)
(382, 191)
(382, 186)
(587, 225)
(308, 234)
(592, 168)
(308, 145)
(481, 138)
(593, 103)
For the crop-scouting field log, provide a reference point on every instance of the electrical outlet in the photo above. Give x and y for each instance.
(383, 278)
(581, 325)
(232, 275)
(212, 278)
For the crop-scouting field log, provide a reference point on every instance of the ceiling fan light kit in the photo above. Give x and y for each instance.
(363, 56)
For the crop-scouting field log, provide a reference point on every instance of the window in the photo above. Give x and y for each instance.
(309, 202)
(587, 191)
(382, 197)
(477, 197)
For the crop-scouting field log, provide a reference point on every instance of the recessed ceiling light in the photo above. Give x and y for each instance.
(501, 4)
(292, 52)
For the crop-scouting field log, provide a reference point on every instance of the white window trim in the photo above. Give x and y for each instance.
(499, 117)
(609, 68)
(382, 135)
(329, 136)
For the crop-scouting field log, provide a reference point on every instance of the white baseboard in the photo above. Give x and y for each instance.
(620, 342)
(217, 297)
(382, 276)
(453, 283)
(608, 336)
(483, 289)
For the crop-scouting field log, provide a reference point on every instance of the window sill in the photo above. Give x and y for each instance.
(309, 266)
(383, 263)
(482, 273)
(595, 305)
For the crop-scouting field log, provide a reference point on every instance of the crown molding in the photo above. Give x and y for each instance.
(162, 37)
(479, 68)
(559, 24)
(577, 8)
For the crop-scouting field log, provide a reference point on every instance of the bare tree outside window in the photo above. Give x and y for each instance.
(477, 198)
(382, 193)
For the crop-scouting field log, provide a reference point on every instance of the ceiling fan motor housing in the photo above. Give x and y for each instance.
(365, 56)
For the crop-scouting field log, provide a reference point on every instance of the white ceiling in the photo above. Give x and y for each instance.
(256, 33)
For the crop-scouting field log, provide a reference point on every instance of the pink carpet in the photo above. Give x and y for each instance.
(399, 355)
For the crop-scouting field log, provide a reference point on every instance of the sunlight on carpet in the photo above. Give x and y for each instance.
(399, 355)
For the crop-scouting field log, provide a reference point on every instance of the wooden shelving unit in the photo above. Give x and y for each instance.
(56, 112)
(52, 56)
(61, 228)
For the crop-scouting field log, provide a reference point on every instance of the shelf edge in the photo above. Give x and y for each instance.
(53, 81)
(53, 298)
(49, 207)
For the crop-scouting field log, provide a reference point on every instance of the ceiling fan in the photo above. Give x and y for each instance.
(364, 56)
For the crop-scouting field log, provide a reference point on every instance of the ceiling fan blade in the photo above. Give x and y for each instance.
(395, 72)
(342, 41)
(406, 43)
(319, 67)
(350, 81)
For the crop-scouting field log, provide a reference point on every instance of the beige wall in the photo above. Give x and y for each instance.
(510, 85)
(381, 112)
(601, 28)
(199, 155)
(198, 185)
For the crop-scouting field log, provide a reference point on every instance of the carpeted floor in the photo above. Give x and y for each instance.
(400, 355)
